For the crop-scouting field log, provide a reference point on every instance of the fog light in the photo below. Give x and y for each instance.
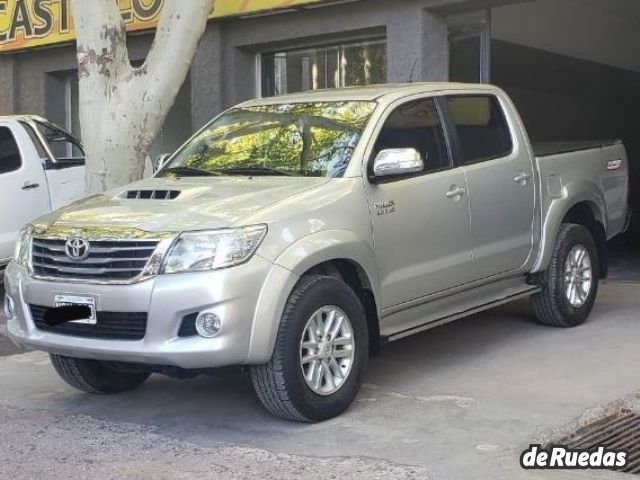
(208, 325)
(9, 307)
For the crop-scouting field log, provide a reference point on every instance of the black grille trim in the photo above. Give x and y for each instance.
(188, 326)
(110, 326)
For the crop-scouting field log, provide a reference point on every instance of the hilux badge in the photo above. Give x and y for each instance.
(77, 249)
(385, 208)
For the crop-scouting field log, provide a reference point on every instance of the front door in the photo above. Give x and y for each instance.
(23, 186)
(420, 223)
(500, 176)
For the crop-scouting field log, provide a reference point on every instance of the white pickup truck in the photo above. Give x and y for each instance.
(41, 170)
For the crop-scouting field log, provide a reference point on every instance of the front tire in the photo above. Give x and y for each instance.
(320, 355)
(570, 284)
(94, 376)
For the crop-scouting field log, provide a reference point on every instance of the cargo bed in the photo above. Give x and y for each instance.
(546, 149)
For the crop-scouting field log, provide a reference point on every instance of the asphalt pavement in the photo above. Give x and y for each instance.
(459, 402)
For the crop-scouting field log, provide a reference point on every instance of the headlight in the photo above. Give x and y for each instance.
(211, 250)
(23, 246)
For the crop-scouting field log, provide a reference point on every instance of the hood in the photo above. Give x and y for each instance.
(192, 203)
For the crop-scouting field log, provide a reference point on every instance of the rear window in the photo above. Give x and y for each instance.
(9, 154)
(482, 128)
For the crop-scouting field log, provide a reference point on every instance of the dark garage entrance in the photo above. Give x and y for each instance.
(591, 94)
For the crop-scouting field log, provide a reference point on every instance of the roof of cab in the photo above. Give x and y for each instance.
(388, 92)
(22, 118)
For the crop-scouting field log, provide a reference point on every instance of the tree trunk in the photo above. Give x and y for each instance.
(122, 108)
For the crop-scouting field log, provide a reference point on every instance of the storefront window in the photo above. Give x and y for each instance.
(347, 65)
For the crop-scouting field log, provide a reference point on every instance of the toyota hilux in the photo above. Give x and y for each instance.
(295, 235)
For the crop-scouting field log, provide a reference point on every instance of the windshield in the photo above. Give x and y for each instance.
(297, 139)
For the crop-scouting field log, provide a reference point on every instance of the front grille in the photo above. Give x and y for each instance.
(107, 260)
(110, 325)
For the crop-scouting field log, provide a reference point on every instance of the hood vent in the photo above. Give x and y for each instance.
(151, 194)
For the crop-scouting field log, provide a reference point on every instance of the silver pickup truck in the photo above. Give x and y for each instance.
(294, 235)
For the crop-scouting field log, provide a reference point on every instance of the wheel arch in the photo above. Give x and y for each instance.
(338, 253)
(589, 216)
(330, 246)
(354, 275)
(586, 208)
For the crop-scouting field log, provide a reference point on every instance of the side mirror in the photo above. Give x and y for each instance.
(160, 161)
(397, 161)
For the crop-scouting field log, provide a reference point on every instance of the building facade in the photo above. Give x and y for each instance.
(572, 66)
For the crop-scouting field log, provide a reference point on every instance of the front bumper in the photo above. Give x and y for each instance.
(234, 294)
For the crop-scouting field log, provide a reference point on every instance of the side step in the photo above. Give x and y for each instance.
(461, 314)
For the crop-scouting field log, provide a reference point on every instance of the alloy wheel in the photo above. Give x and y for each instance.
(327, 350)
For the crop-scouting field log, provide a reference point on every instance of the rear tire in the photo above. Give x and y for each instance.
(97, 377)
(570, 284)
(287, 385)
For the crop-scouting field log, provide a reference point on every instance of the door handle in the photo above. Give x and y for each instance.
(456, 193)
(522, 178)
(30, 186)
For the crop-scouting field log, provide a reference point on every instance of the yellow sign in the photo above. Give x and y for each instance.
(36, 23)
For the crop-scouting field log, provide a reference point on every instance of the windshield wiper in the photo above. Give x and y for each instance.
(255, 170)
(189, 172)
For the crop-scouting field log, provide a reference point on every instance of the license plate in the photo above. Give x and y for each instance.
(73, 300)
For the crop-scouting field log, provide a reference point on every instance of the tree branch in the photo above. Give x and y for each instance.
(122, 108)
(101, 51)
(181, 26)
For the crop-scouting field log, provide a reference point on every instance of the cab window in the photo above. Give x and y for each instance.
(10, 159)
(62, 145)
(481, 127)
(416, 125)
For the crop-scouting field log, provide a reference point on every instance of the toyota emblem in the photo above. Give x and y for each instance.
(77, 249)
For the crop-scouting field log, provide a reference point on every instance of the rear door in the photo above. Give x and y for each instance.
(500, 175)
(421, 221)
(23, 186)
